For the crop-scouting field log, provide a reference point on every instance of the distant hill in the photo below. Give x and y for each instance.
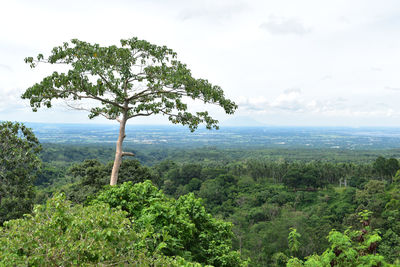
(341, 138)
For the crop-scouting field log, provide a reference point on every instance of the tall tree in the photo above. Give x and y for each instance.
(19, 162)
(136, 79)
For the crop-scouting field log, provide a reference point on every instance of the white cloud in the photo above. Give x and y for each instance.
(376, 69)
(292, 101)
(284, 26)
(9, 99)
(392, 88)
(289, 100)
(6, 67)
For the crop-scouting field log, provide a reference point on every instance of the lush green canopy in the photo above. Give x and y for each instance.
(182, 226)
(136, 79)
(59, 234)
(19, 162)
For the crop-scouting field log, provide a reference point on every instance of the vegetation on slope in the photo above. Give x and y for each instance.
(265, 199)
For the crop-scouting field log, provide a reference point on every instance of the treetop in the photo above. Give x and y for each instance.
(136, 79)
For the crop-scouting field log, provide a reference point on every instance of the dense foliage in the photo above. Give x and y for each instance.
(282, 210)
(264, 198)
(182, 227)
(59, 234)
(351, 248)
(91, 176)
(19, 163)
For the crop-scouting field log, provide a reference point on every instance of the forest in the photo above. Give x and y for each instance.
(239, 197)
(206, 207)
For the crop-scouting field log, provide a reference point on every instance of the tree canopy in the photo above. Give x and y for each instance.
(19, 162)
(59, 234)
(182, 227)
(351, 248)
(132, 225)
(136, 79)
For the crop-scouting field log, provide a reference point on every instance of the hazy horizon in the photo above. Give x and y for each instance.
(93, 123)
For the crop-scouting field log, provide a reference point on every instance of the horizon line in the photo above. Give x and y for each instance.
(202, 126)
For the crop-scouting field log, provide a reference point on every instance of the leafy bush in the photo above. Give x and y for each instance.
(182, 227)
(58, 234)
(351, 248)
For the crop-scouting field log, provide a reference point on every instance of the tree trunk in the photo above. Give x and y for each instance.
(118, 152)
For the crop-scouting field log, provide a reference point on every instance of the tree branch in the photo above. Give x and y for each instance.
(91, 96)
(128, 154)
(141, 114)
(135, 76)
(137, 95)
(162, 92)
(106, 81)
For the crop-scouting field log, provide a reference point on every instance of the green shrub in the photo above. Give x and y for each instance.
(59, 234)
(183, 226)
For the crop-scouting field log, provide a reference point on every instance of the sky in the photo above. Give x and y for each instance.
(285, 63)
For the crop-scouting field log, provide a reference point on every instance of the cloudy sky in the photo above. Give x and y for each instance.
(287, 62)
